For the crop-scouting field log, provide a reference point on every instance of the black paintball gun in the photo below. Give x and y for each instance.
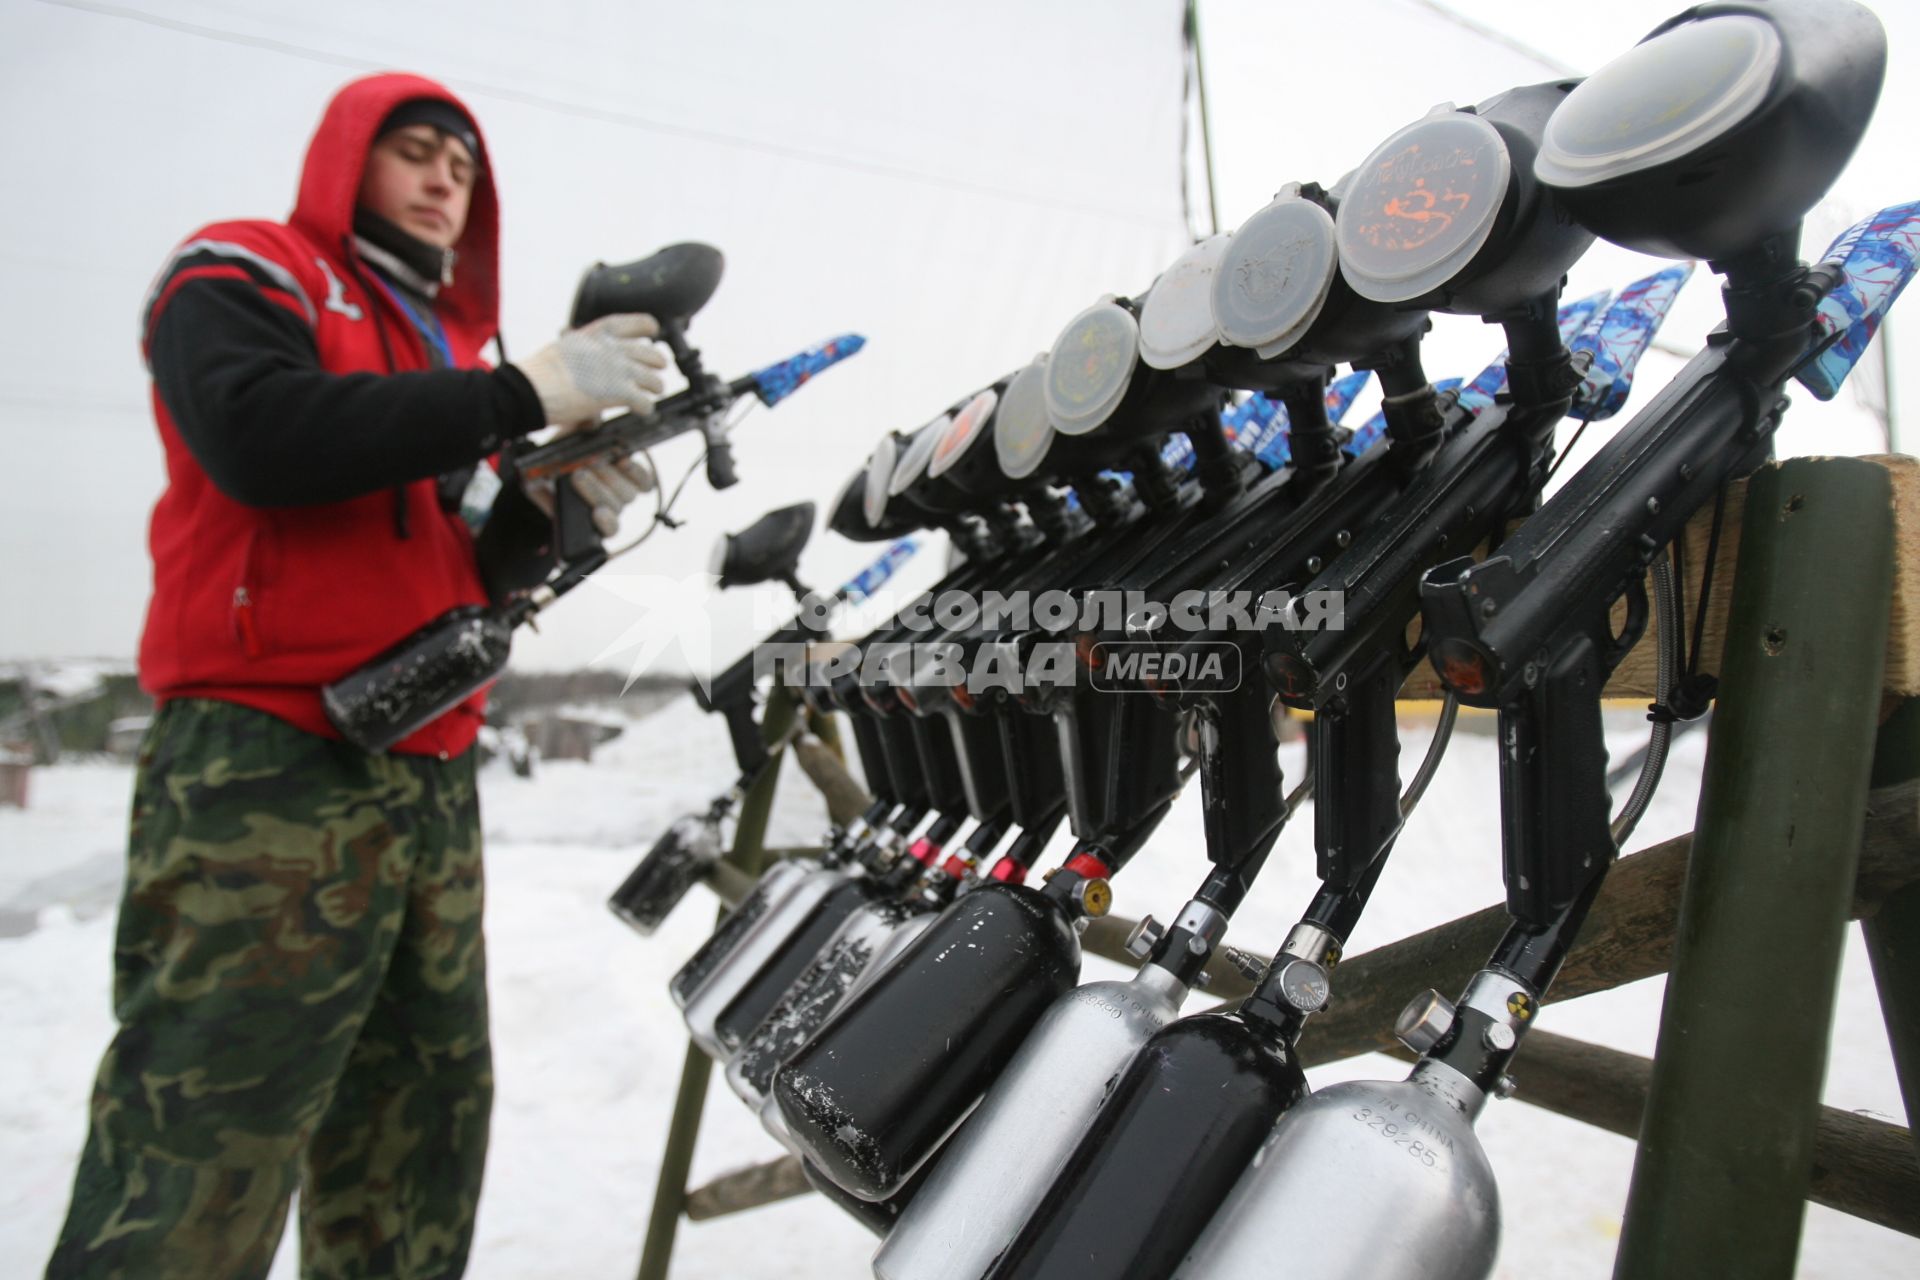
(443, 663)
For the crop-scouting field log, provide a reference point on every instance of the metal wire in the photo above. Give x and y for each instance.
(1442, 735)
(1666, 608)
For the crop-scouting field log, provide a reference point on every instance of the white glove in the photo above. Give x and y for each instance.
(606, 487)
(609, 364)
(609, 486)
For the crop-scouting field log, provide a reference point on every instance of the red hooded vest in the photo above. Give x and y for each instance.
(263, 605)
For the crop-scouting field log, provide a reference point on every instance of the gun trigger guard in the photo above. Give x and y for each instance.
(1616, 648)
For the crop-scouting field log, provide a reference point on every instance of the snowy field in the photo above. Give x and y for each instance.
(588, 1047)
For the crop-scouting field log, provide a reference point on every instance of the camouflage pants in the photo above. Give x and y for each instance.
(299, 979)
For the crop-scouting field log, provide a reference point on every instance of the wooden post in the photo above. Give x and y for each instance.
(1726, 1149)
(1893, 932)
(846, 799)
(748, 856)
(670, 1191)
(827, 729)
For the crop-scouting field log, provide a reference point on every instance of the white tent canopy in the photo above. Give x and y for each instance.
(954, 183)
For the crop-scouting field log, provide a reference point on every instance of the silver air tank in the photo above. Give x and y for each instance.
(775, 884)
(826, 980)
(732, 974)
(1369, 1180)
(996, 1168)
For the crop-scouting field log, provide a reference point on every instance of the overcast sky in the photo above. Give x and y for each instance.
(955, 182)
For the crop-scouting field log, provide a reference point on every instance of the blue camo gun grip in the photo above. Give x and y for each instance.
(870, 579)
(778, 381)
(1618, 339)
(1876, 257)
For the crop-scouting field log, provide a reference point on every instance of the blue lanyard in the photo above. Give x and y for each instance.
(428, 326)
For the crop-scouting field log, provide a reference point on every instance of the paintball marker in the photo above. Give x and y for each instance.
(447, 660)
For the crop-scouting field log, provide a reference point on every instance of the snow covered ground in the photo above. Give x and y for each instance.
(588, 1046)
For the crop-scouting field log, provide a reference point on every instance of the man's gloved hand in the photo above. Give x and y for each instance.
(609, 364)
(606, 487)
(610, 486)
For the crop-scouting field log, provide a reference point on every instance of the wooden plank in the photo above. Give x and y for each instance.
(1857, 1160)
(748, 1188)
(846, 799)
(1861, 1165)
(1635, 676)
(1628, 936)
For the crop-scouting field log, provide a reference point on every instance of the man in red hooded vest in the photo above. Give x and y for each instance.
(299, 972)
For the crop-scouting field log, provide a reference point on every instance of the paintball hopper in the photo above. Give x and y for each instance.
(874, 492)
(768, 550)
(861, 513)
(1270, 279)
(1176, 323)
(847, 516)
(1277, 298)
(670, 285)
(1720, 129)
(964, 455)
(911, 465)
(1022, 434)
(1096, 378)
(1446, 213)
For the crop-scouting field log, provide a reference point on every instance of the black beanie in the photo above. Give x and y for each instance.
(437, 113)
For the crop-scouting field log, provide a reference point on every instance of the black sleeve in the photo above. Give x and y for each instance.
(241, 377)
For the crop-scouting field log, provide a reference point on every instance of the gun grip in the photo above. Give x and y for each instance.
(574, 535)
(1242, 790)
(1356, 783)
(1555, 811)
(749, 746)
(720, 472)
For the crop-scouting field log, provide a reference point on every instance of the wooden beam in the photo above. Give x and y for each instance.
(1628, 935)
(1635, 676)
(748, 1188)
(846, 799)
(1861, 1166)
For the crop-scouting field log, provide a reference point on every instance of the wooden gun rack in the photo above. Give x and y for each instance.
(1797, 836)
